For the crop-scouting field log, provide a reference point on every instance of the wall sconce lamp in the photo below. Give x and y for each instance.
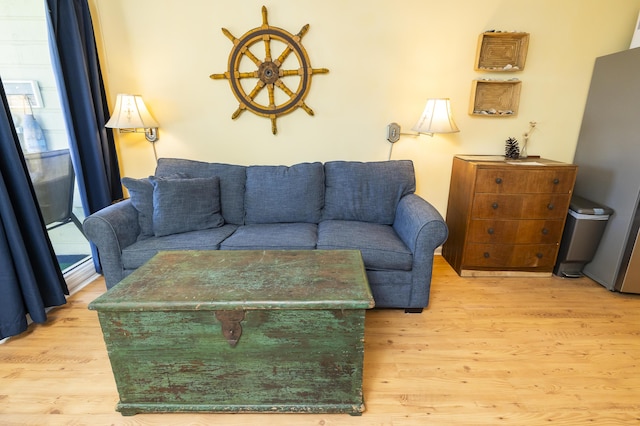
(436, 118)
(131, 115)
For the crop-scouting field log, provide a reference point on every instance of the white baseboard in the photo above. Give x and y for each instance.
(80, 276)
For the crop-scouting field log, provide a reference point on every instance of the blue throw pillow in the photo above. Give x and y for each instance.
(141, 195)
(183, 205)
(232, 181)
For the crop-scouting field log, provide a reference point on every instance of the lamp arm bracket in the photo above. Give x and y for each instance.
(150, 133)
(393, 133)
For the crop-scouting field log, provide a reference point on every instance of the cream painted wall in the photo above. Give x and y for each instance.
(385, 59)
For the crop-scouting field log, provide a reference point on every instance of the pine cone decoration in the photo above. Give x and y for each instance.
(511, 149)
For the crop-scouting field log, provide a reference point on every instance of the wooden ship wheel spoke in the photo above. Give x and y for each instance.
(269, 73)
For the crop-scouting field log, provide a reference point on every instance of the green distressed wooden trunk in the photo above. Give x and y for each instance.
(239, 331)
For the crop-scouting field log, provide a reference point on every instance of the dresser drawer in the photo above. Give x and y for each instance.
(515, 231)
(509, 255)
(523, 180)
(515, 206)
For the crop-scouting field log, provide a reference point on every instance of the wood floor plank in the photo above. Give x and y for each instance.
(487, 351)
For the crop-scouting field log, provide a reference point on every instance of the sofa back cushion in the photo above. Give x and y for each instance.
(366, 192)
(232, 182)
(280, 194)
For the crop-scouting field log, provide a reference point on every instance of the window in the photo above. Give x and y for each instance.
(25, 67)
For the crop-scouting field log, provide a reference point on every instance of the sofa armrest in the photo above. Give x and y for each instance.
(419, 224)
(422, 229)
(112, 229)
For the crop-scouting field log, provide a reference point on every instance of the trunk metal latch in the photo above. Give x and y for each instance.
(230, 324)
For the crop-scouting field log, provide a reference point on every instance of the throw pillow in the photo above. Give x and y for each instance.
(232, 181)
(141, 195)
(183, 205)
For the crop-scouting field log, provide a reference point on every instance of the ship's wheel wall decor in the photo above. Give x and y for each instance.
(272, 73)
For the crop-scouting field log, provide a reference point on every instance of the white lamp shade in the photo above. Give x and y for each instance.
(436, 118)
(130, 112)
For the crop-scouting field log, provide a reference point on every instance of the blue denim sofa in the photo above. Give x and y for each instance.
(193, 205)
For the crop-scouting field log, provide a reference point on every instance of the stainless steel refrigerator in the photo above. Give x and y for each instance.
(608, 159)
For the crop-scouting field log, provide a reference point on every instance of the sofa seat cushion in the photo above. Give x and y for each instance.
(367, 192)
(280, 194)
(380, 246)
(273, 236)
(140, 252)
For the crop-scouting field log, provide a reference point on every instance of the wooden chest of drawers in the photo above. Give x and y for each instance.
(506, 217)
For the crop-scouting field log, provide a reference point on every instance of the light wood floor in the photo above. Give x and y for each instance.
(487, 351)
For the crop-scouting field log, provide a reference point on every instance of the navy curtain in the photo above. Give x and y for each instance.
(77, 68)
(30, 279)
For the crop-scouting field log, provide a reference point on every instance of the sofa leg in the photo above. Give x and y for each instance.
(413, 311)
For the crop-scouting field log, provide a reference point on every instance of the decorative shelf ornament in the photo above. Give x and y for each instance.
(502, 51)
(495, 98)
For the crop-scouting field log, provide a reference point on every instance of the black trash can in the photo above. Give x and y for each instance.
(583, 230)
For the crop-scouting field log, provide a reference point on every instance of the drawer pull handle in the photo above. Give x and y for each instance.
(550, 206)
(494, 206)
(486, 254)
(556, 181)
(490, 231)
(498, 181)
(539, 255)
(545, 231)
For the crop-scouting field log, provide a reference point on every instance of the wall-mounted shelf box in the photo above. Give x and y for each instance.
(502, 51)
(23, 94)
(495, 98)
